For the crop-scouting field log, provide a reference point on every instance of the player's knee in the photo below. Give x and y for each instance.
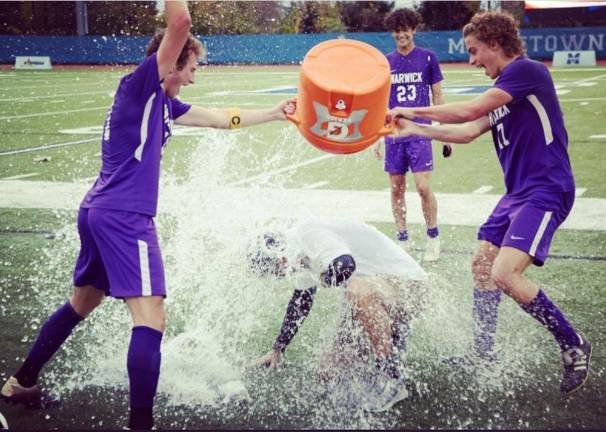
(502, 276)
(85, 299)
(481, 268)
(424, 190)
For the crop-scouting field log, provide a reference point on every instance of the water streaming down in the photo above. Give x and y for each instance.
(220, 317)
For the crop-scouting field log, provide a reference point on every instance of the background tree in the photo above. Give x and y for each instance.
(234, 17)
(365, 16)
(54, 18)
(122, 18)
(439, 15)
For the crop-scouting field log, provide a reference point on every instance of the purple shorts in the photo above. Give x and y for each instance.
(401, 155)
(119, 253)
(527, 224)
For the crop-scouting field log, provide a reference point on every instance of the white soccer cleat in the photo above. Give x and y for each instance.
(405, 245)
(432, 249)
(385, 393)
(15, 392)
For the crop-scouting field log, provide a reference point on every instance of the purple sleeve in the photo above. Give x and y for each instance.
(179, 108)
(520, 78)
(435, 74)
(144, 80)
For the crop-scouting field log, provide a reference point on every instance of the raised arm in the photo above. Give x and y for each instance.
(459, 112)
(178, 23)
(298, 308)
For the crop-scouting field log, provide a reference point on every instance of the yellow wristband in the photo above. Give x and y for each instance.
(234, 117)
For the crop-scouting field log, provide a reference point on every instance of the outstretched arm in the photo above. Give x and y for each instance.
(459, 112)
(234, 118)
(459, 133)
(298, 308)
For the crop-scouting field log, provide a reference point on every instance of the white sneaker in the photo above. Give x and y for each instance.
(432, 249)
(15, 392)
(405, 245)
(385, 393)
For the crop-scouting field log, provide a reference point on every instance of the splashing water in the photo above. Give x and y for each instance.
(220, 317)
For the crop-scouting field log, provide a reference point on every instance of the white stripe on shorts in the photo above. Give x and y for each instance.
(540, 232)
(144, 268)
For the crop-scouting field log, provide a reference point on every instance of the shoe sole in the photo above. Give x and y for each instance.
(403, 394)
(569, 392)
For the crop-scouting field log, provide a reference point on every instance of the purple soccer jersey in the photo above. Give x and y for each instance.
(412, 76)
(137, 127)
(529, 133)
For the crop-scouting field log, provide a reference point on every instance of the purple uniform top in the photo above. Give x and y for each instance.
(137, 127)
(529, 133)
(412, 76)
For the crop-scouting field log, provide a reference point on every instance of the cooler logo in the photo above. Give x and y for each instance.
(337, 128)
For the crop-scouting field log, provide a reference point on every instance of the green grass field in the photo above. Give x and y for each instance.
(220, 318)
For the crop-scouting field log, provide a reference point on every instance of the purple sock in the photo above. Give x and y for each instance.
(433, 232)
(485, 314)
(52, 334)
(143, 366)
(548, 314)
(402, 235)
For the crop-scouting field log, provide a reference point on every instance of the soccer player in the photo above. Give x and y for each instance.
(381, 288)
(120, 254)
(415, 73)
(523, 113)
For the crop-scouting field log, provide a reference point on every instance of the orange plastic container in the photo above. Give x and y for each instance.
(343, 95)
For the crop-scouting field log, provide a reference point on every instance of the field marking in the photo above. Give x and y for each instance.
(52, 113)
(315, 185)
(51, 96)
(281, 170)
(583, 99)
(46, 147)
(365, 205)
(20, 176)
(579, 191)
(482, 189)
(600, 136)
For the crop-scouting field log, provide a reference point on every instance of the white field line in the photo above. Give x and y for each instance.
(579, 191)
(51, 96)
(315, 185)
(70, 85)
(601, 136)
(368, 206)
(583, 99)
(482, 189)
(105, 107)
(46, 147)
(281, 170)
(21, 176)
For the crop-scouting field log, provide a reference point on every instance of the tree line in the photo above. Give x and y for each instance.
(225, 17)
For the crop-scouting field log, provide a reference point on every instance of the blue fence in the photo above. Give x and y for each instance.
(281, 49)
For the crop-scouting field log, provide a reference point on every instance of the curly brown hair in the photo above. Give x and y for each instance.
(402, 19)
(496, 27)
(192, 45)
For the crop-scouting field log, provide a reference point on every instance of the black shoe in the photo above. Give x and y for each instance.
(576, 366)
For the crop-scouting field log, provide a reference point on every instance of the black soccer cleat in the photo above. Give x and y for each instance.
(31, 397)
(576, 366)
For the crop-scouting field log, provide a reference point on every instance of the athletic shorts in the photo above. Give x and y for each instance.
(402, 156)
(119, 253)
(527, 224)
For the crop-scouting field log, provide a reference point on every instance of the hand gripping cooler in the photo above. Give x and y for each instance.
(344, 90)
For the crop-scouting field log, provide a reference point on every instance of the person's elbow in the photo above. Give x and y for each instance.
(180, 23)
